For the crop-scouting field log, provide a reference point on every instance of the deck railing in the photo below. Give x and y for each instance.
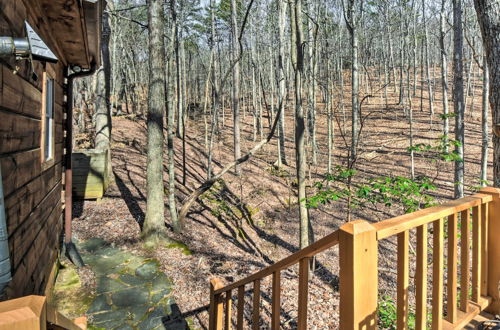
(478, 283)
(33, 313)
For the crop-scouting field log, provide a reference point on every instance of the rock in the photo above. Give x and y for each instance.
(99, 304)
(153, 321)
(148, 270)
(130, 297)
(138, 313)
(132, 280)
(93, 244)
(118, 315)
(106, 284)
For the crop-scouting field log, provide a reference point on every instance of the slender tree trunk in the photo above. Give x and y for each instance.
(103, 93)
(351, 25)
(484, 124)
(282, 4)
(427, 64)
(458, 96)
(298, 65)
(154, 223)
(236, 85)
(171, 133)
(488, 14)
(444, 73)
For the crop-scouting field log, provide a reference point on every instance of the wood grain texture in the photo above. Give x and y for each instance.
(437, 274)
(451, 285)
(403, 280)
(315, 248)
(464, 259)
(241, 306)
(276, 301)
(421, 279)
(216, 306)
(493, 250)
(229, 310)
(404, 222)
(256, 305)
(476, 253)
(484, 248)
(303, 293)
(358, 259)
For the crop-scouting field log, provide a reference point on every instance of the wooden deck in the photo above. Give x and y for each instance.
(478, 319)
(470, 223)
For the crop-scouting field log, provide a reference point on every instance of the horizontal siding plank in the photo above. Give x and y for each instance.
(31, 195)
(18, 95)
(18, 132)
(20, 168)
(22, 239)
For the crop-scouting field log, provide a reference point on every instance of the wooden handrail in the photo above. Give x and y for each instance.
(409, 221)
(325, 243)
(33, 313)
(358, 251)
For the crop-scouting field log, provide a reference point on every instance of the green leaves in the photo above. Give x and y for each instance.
(410, 194)
(440, 151)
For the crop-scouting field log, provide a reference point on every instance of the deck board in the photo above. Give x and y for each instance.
(478, 319)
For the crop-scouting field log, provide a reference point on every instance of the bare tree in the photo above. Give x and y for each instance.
(154, 224)
(300, 157)
(458, 96)
(488, 14)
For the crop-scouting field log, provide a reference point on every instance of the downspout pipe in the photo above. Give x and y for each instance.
(71, 251)
(5, 271)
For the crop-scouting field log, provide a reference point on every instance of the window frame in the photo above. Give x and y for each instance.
(48, 123)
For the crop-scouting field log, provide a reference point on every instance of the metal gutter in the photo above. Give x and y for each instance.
(71, 251)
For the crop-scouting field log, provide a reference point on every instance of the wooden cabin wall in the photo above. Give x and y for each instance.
(33, 189)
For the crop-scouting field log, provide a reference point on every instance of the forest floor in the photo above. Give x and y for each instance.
(246, 223)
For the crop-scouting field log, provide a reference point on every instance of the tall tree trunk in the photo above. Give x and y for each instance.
(282, 4)
(154, 226)
(171, 132)
(458, 96)
(103, 91)
(351, 25)
(236, 84)
(484, 124)
(488, 14)
(298, 65)
(427, 64)
(444, 73)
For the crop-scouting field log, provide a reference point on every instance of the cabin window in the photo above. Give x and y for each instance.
(48, 119)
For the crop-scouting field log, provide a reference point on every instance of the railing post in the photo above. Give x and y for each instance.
(216, 305)
(358, 275)
(493, 248)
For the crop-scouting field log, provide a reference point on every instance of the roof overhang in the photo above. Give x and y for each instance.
(76, 25)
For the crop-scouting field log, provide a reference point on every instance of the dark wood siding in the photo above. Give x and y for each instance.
(32, 190)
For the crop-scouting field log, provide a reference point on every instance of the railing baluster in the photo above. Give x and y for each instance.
(303, 291)
(229, 305)
(241, 306)
(403, 280)
(451, 285)
(421, 278)
(276, 303)
(464, 260)
(216, 305)
(476, 253)
(256, 305)
(437, 275)
(484, 249)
